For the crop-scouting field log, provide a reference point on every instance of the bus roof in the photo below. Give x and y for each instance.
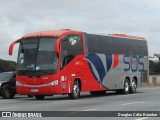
(127, 36)
(51, 33)
(60, 33)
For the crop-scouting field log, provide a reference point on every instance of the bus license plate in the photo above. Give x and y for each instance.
(34, 90)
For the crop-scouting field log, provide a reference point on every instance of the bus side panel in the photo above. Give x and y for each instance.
(110, 70)
(78, 68)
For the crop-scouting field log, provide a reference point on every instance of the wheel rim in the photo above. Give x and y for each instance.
(76, 90)
(7, 93)
(126, 87)
(134, 86)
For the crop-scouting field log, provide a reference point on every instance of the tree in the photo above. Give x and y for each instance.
(6, 66)
(154, 68)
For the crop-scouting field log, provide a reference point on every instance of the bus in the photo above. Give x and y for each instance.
(70, 62)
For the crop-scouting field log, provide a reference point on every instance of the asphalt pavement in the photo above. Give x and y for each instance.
(146, 99)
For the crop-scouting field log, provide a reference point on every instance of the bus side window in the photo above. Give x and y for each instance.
(64, 53)
(71, 48)
(67, 60)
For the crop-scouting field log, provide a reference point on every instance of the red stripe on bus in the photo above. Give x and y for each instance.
(116, 60)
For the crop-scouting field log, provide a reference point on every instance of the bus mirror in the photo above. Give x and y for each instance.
(57, 46)
(11, 47)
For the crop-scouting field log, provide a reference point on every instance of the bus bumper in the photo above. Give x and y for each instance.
(45, 90)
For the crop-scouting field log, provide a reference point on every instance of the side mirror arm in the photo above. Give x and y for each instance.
(11, 46)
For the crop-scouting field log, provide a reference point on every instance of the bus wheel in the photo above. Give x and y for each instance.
(133, 86)
(39, 97)
(75, 91)
(126, 86)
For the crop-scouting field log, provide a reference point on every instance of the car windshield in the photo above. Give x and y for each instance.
(37, 54)
(5, 76)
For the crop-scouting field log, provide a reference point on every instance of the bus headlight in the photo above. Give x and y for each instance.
(55, 82)
(18, 83)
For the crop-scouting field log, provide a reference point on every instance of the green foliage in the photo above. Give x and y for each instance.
(6, 66)
(154, 68)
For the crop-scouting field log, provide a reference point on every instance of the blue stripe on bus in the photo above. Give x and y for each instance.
(86, 41)
(108, 61)
(98, 64)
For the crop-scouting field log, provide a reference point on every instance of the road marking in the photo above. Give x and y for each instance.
(66, 101)
(29, 103)
(132, 103)
(91, 109)
(143, 118)
(59, 102)
(9, 107)
(148, 88)
(82, 111)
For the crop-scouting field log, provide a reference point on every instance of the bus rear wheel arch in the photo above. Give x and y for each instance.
(76, 88)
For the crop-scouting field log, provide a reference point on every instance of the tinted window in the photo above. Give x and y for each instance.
(5, 76)
(70, 48)
(115, 45)
(37, 56)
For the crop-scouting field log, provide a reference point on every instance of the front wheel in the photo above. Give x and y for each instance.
(7, 93)
(39, 97)
(75, 91)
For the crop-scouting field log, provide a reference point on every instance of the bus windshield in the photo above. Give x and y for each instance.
(37, 55)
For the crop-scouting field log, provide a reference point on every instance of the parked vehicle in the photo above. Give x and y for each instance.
(7, 85)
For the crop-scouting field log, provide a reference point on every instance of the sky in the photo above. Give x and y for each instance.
(135, 17)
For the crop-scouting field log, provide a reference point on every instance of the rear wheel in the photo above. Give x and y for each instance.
(126, 86)
(75, 91)
(7, 93)
(39, 97)
(133, 86)
(125, 89)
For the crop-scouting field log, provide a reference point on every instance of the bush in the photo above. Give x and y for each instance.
(6, 66)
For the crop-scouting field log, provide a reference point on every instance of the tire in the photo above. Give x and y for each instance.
(133, 86)
(126, 87)
(39, 97)
(7, 93)
(75, 91)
